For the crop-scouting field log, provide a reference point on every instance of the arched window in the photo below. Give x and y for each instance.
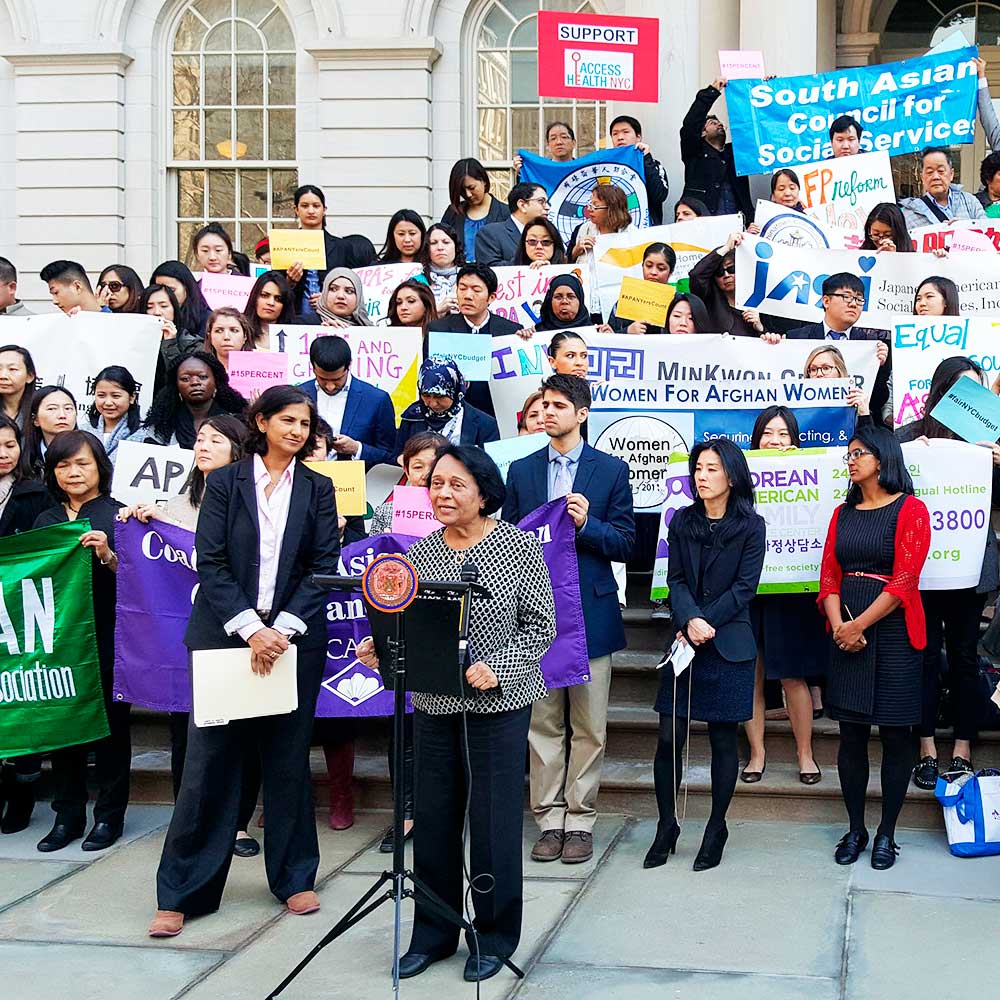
(509, 113)
(233, 120)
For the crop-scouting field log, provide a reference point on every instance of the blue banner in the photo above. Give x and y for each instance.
(902, 106)
(569, 184)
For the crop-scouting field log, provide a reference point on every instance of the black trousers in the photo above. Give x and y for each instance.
(112, 769)
(199, 846)
(953, 614)
(497, 746)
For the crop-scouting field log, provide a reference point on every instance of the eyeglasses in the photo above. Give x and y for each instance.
(813, 370)
(112, 286)
(731, 269)
(538, 243)
(543, 201)
(849, 300)
(853, 456)
(598, 208)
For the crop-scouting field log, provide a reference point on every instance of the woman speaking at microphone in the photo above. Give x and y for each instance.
(266, 525)
(509, 632)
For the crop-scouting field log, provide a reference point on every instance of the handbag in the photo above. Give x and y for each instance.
(971, 807)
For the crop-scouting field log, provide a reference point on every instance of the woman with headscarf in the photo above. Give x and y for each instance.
(563, 307)
(441, 408)
(342, 300)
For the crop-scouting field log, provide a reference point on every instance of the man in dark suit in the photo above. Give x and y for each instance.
(599, 500)
(496, 243)
(360, 415)
(843, 300)
(475, 289)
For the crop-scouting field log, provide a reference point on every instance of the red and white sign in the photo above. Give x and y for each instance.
(594, 57)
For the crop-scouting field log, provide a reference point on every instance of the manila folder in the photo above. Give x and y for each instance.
(224, 687)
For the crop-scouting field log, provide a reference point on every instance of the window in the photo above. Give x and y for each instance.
(233, 120)
(509, 113)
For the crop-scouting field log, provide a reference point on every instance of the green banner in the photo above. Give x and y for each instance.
(50, 678)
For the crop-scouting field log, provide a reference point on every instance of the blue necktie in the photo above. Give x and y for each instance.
(563, 481)
(837, 336)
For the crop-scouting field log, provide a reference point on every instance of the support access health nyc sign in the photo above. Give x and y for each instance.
(594, 57)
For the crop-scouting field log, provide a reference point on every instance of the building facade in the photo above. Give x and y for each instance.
(125, 124)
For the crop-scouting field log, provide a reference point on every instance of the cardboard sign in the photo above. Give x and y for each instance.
(746, 64)
(226, 289)
(303, 246)
(145, 473)
(412, 513)
(255, 371)
(644, 301)
(593, 57)
(511, 449)
(940, 236)
(471, 352)
(970, 410)
(348, 483)
(842, 192)
(379, 282)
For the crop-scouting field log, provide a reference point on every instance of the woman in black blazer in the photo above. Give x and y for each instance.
(716, 556)
(266, 504)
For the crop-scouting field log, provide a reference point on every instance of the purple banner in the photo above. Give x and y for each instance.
(566, 663)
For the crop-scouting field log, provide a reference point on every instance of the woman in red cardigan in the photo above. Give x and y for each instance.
(875, 549)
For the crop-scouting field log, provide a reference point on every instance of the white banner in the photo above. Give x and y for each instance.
(842, 191)
(379, 281)
(71, 350)
(795, 229)
(941, 236)
(145, 473)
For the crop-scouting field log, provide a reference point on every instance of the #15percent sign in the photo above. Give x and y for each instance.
(595, 57)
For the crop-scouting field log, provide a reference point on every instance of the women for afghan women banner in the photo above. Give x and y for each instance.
(796, 492)
(50, 677)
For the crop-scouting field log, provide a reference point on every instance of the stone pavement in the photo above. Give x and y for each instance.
(777, 920)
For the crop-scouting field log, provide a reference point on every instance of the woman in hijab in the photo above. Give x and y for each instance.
(564, 307)
(441, 408)
(342, 300)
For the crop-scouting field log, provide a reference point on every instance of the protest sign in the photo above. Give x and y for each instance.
(788, 281)
(379, 281)
(471, 352)
(379, 482)
(796, 229)
(903, 106)
(970, 410)
(412, 513)
(71, 350)
(348, 484)
(146, 473)
(226, 289)
(386, 356)
(843, 191)
(521, 290)
(620, 359)
(643, 423)
(303, 246)
(594, 57)
(943, 235)
(511, 449)
(644, 301)
(569, 184)
(50, 677)
(741, 64)
(255, 371)
(620, 254)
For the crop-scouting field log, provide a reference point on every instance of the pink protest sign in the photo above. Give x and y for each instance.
(412, 513)
(226, 289)
(255, 371)
(746, 64)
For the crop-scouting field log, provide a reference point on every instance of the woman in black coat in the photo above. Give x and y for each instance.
(253, 508)
(716, 556)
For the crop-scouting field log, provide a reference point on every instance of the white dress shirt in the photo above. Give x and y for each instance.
(830, 334)
(332, 407)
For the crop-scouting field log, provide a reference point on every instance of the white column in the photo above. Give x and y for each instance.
(796, 36)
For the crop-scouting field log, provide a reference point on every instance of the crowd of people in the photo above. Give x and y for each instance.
(868, 652)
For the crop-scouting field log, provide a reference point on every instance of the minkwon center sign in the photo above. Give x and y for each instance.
(594, 57)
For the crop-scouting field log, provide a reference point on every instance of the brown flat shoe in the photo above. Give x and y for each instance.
(578, 847)
(302, 903)
(166, 923)
(549, 846)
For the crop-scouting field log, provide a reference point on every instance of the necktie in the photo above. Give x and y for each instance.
(564, 481)
(837, 336)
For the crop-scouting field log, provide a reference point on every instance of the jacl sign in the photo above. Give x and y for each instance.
(595, 57)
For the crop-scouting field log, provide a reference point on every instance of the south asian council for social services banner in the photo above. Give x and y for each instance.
(796, 492)
(50, 677)
(903, 107)
(622, 359)
(569, 184)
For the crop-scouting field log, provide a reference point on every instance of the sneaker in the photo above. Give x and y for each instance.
(925, 774)
(549, 846)
(661, 610)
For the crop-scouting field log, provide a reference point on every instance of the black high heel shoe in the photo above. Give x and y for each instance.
(712, 846)
(664, 844)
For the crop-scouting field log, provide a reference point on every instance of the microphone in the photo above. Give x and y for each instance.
(469, 573)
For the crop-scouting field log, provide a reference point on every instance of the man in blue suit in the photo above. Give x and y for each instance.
(361, 415)
(599, 500)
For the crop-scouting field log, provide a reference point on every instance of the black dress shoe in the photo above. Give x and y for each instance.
(20, 805)
(664, 844)
(388, 842)
(850, 847)
(61, 835)
(884, 851)
(483, 967)
(246, 847)
(102, 836)
(712, 845)
(413, 963)
(925, 774)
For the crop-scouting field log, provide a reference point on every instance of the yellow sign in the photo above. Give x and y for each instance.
(644, 301)
(348, 483)
(303, 246)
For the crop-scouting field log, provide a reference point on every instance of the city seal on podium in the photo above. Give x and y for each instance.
(390, 582)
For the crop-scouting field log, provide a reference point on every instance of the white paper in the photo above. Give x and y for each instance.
(224, 688)
(995, 697)
(679, 657)
(147, 473)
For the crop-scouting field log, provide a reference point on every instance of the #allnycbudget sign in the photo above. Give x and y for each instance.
(595, 57)
(903, 107)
